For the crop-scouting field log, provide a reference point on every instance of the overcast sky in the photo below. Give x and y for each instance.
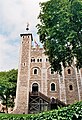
(14, 15)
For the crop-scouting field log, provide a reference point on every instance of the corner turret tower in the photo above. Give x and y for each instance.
(22, 93)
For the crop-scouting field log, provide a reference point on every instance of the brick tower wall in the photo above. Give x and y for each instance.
(22, 94)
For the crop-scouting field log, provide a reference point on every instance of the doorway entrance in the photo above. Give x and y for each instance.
(34, 88)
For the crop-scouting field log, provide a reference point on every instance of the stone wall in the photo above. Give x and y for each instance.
(68, 87)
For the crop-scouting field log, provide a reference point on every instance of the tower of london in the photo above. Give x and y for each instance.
(38, 84)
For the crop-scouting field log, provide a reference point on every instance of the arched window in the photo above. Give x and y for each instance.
(69, 71)
(35, 71)
(53, 87)
(40, 60)
(37, 60)
(70, 87)
(46, 59)
(32, 60)
(52, 71)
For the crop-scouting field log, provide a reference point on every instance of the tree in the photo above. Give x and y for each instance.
(60, 31)
(8, 82)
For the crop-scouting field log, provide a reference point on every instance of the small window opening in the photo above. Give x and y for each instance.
(46, 59)
(52, 87)
(40, 60)
(52, 71)
(37, 60)
(24, 64)
(69, 71)
(70, 87)
(35, 71)
(32, 60)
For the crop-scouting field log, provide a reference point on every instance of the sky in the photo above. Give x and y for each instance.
(14, 16)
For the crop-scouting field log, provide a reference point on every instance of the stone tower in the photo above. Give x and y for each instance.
(36, 76)
(22, 96)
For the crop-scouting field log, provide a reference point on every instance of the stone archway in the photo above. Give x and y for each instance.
(35, 88)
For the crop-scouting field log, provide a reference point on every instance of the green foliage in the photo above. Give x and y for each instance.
(60, 31)
(8, 82)
(72, 112)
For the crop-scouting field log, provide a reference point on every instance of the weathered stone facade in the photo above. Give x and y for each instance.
(34, 67)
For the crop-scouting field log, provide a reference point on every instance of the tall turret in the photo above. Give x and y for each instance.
(22, 93)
